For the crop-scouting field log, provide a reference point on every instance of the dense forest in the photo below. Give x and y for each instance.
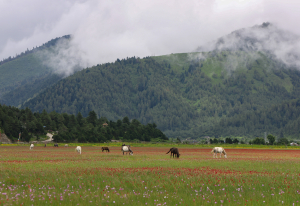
(186, 95)
(71, 128)
(282, 119)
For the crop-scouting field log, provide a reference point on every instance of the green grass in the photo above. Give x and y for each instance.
(60, 176)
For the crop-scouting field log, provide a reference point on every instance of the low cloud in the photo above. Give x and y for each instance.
(267, 37)
(64, 58)
(106, 30)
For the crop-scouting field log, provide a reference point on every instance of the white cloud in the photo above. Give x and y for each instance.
(106, 30)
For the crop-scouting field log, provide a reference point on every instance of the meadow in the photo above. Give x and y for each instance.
(60, 176)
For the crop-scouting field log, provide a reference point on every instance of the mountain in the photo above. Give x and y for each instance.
(243, 84)
(186, 95)
(26, 74)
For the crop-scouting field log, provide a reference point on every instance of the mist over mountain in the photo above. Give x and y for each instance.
(64, 58)
(184, 97)
(277, 43)
(26, 74)
(228, 87)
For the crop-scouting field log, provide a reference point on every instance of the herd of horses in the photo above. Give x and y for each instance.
(173, 151)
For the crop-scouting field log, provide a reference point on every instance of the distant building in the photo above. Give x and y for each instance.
(105, 124)
(293, 144)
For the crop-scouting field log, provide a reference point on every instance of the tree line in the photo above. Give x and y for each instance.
(71, 128)
(271, 140)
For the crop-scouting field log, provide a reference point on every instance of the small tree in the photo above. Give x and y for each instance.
(57, 138)
(271, 139)
(25, 136)
(235, 141)
(228, 140)
(92, 118)
(283, 141)
(258, 140)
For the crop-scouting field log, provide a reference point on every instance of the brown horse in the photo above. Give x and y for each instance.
(174, 151)
(105, 148)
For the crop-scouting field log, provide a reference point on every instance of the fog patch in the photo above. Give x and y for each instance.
(64, 58)
(197, 56)
(274, 42)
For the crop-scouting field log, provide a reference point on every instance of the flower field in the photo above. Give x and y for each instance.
(60, 176)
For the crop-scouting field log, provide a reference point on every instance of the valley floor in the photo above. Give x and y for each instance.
(61, 176)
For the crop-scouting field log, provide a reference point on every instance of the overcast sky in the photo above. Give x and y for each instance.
(105, 30)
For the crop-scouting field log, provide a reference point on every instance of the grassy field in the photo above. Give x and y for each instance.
(60, 176)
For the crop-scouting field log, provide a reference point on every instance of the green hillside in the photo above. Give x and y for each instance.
(22, 76)
(186, 95)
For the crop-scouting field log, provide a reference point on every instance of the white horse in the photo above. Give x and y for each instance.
(31, 146)
(126, 148)
(220, 150)
(78, 149)
(66, 145)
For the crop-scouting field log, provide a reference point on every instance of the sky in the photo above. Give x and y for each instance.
(106, 30)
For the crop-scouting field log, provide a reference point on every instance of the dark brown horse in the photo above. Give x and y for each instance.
(174, 151)
(105, 148)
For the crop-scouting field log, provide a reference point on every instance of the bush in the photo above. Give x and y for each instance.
(258, 140)
(283, 141)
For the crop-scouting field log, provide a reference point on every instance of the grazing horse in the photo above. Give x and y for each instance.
(105, 148)
(55, 145)
(220, 150)
(78, 149)
(126, 148)
(174, 151)
(31, 146)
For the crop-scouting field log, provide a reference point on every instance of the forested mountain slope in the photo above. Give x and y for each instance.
(282, 119)
(26, 74)
(186, 95)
